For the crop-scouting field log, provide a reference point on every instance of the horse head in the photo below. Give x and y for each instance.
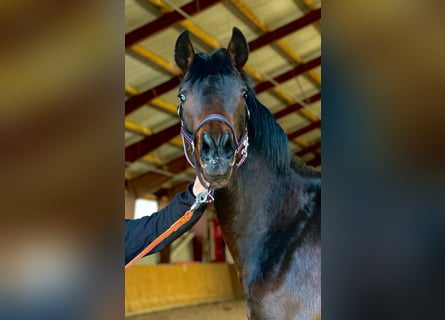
(213, 108)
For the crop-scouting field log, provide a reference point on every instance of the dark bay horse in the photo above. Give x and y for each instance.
(267, 201)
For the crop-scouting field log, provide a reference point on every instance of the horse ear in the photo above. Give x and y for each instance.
(238, 49)
(184, 52)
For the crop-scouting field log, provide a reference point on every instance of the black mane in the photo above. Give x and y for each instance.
(266, 136)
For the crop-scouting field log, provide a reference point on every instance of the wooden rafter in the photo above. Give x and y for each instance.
(312, 148)
(306, 129)
(293, 107)
(166, 20)
(283, 31)
(281, 44)
(316, 161)
(149, 143)
(301, 68)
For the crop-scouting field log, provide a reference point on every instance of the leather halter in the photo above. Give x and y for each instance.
(241, 144)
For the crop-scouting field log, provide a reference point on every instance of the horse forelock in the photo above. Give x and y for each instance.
(204, 66)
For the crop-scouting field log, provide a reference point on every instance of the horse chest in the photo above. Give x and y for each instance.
(279, 268)
(293, 293)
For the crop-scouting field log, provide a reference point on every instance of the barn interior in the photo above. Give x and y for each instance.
(284, 68)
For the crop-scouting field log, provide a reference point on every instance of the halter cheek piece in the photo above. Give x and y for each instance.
(241, 144)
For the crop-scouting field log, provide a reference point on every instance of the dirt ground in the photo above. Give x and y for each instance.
(224, 310)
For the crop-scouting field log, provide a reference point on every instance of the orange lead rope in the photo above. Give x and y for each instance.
(202, 197)
(175, 226)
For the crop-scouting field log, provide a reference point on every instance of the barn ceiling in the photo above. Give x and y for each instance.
(284, 67)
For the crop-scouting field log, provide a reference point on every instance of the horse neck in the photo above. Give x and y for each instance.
(244, 209)
(268, 194)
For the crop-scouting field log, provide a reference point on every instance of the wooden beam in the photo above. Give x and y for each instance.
(165, 64)
(283, 31)
(312, 148)
(313, 98)
(136, 101)
(149, 143)
(166, 20)
(301, 68)
(315, 162)
(296, 106)
(281, 44)
(310, 127)
(311, 6)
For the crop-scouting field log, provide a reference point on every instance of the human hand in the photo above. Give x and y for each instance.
(198, 187)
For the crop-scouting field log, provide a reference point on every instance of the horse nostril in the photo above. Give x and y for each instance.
(207, 141)
(207, 145)
(225, 139)
(226, 145)
(213, 148)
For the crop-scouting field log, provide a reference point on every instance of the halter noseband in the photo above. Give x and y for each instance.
(241, 144)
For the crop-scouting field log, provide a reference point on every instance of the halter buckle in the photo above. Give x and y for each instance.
(246, 145)
(201, 198)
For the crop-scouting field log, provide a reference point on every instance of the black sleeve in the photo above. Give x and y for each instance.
(139, 233)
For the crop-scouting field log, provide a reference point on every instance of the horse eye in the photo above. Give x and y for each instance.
(245, 94)
(181, 97)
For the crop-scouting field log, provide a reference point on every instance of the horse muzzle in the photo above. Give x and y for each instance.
(216, 149)
(217, 155)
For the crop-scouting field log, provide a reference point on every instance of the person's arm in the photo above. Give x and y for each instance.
(139, 233)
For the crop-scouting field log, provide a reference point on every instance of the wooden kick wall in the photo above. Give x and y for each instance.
(164, 286)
